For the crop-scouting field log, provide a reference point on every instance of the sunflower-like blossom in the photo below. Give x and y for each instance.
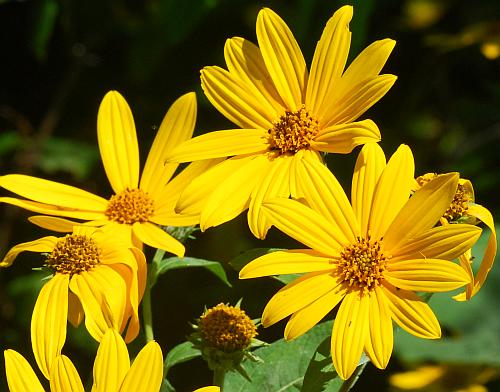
(463, 209)
(286, 113)
(94, 277)
(369, 256)
(139, 206)
(112, 370)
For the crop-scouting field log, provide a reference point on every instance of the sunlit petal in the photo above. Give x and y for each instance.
(53, 223)
(64, 376)
(147, 366)
(153, 236)
(42, 245)
(20, 375)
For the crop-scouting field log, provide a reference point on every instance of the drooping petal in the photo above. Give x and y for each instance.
(422, 211)
(465, 261)
(283, 58)
(286, 262)
(75, 310)
(177, 126)
(307, 317)
(219, 144)
(111, 364)
(369, 166)
(245, 62)
(20, 375)
(324, 194)
(359, 99)
(329, 61)
(54, 193)
(392, 191)
(350, 331)
(64, 376)
(147, 366)
(442, 242)
(117, 140)
(153, 236)
(208, 389)
(53, 223)
(48, 322)
(365, 66)
(232, 195)
(276, 183)
(235, 100)
(297, 295)
(411, 312)
(305, 225)
(308, 154)
(380, 340)
(42, 245)
(342, 138)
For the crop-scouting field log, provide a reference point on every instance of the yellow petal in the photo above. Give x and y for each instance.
(392, 191)
(54, 193)
(365, 66)
(360, 98)
(329, 61)
(244, 61)
(305, 225)
(221, 144)
(286, 262)
(42, 245)
(20, 375)
(111, 363)
(297, 295)
(103, 294)
(232, 195)
(117, 140)
(148, 365)
(177, 126)
(379, 341)
(208, 389)
(235, 100)
(282, 57)
(49, 209)
(75, 310)
(324, 194)
(276, 183)
(307, 317)
(465, 261)
(442, 242)
(350, 331)
(64, 376)
(173, 219)
(411, 312)
(48, 322)
(422, 211)
(53, 223)
(369, 166)
(153, 236)
(342, 138)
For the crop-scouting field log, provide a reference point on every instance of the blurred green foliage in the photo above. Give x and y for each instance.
(59, 58)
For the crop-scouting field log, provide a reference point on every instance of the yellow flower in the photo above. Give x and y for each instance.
(137, 207)
(370, 257)
(287, 114)
(112, 370)
(208, 389)
(94, 275)
(464, 209)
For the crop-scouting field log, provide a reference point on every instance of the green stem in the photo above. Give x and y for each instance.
(349, 383)
(147, 314)
(219, 375)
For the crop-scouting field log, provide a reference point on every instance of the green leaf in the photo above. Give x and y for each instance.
(244, 258)
(172, 263)
(181, 353)
(285, 279)
(321, 375)
(43, 27)
(285, 364)
(9, 141)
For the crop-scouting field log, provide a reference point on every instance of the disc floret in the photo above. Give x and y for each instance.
(130, 206)
(73, 254)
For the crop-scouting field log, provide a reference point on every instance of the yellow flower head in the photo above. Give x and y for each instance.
(112, 370)
(287, 114)
(94, 276)
(463, 209)
(368, 256)
(139, 205)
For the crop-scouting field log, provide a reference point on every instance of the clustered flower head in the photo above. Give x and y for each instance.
(369, 256)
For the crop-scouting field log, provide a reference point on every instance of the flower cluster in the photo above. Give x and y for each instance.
(369, 256)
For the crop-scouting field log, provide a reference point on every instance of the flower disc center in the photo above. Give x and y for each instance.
(130, 206)
(362, 264)
(73, 254)
(293, 131)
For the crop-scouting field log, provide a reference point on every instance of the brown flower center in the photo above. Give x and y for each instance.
(459, 205)
(73, 254)
(362, 264)
(130, 206)
(294, 131)
(227, 328)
